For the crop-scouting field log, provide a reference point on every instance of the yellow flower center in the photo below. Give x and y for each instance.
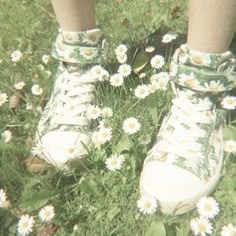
(147, 205)
(70, 150)
(131, 125)
(208, 207)
(197, 59)
(113, 162)
(202, 228)
(190, 82)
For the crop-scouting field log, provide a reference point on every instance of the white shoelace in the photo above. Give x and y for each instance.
(75, 98)
(181, 132)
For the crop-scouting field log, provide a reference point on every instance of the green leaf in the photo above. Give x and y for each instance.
(140, 61)
(123, 145)
(34, 200)
(156, 228)
(229, 132)
(89, 185)
(183, 229)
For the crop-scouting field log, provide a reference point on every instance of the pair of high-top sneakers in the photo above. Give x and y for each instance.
(186, 161)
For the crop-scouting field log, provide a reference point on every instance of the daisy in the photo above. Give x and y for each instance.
(153, 87)
(88, 53)
(214, 86)
(228, 230)
(149, 49)
(116, 80)
(145, 139)
(36, 90)
(37, 150)
(106, 112)
(201, 226)
(121, 58)
(125, 70)
(115, 162)
(188, 80)
(200, 59)
(131, 125)
(7, 135)
(167, 38)
(45, 59)
(47, 213)
(141, 91)
(93, 112)
(19, 85)
(147, 205)
(104, 135)
(92, 36)
(96, 139)
(98, 72)
(71, 152)
(208, 207)
(229, 102)
(3, 98)
(230, 146)
(121, 49)
(157, 62)
(104, 124)
(142, 75)
(25, 225)
(3, 197)
(16, 55)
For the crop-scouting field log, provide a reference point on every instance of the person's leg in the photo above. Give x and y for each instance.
(75, 15)
(186, 161)
(211, 25)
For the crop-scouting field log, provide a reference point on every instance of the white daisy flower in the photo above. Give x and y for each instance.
(47, 213)
(214, 86)
(228, 230)
(29, 106)
(199, 59)
(141, 91)
(3, 98)
(96, 139)
(88, 53)
(37, 150)
(115, 162)
(48, 73)
(157, 62)
(75, 228)
(183, 57)
(104, 124)
(72, 152)
(104, 135)
(147, 205)
(25, 225)
(142, 75)
(121, 49)
(153, 87)
(92, 36)
(131, 125)
(7, 136)
(116, 80)
(36, 90)
(93, 112)
(167, 38)
(19, 85)
(106, 112)
(229, 102)
(201, 226)
(3, 197)
(188, 80)
(230, 146)
(98, 72)
(16, 55)
(149, 49)
(145, 139)
(45, 59)
(208, 207)
(121, 58)
(125, 70)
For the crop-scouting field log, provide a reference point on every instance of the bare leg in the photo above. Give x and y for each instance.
(75, 15)
(211, 25)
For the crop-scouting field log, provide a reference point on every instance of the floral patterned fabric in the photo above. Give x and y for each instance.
(83, 47)
(191, 134)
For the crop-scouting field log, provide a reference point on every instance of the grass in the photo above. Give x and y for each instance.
(98, 201)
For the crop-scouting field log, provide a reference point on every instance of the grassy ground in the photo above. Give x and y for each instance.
(98, 201)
